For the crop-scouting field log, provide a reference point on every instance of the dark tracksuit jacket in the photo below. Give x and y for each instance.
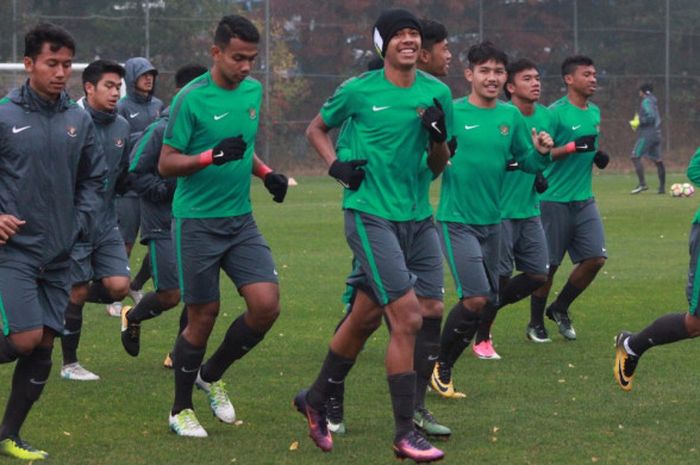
(155, 191)
(649, 118)
(52, 173)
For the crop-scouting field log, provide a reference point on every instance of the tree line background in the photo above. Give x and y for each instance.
(311, 46)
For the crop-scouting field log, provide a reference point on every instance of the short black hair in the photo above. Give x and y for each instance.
(516, 67)
(186, 73)
(647, 87)
(235, 26)
(485, 51)
(40, 34)
(433, 33)
(95, 70)
(571, 63)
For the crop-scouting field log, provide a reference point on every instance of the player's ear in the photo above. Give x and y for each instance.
(468, 74)
(568, 79)
(424, 56)
(215, 52)
(28, 64)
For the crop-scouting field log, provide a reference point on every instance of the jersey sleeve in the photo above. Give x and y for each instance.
(144, 167)
(522, 149)
(447, 107)
(181, 124)
(339, 107)
(693, 171)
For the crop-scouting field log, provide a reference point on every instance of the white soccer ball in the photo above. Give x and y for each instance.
(688, 189)
(676, 190)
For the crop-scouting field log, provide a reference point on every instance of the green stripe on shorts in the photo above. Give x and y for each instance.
(178, 254)
(5, 323)
(696, 291)
(370, 256)
(451, 259)
(154, 263)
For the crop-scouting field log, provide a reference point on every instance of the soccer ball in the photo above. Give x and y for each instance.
(688, 189)
(677, 190)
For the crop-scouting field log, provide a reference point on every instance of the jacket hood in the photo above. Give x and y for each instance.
(27, 98)
(134, 68)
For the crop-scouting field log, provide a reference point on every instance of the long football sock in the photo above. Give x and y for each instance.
(334, 370)
(567, 295)
(459, 330)
(424, 357)
(537, 307)
(402, 387)
(30, 376)
(238, 341)
(518, 288)
(70, 339)
(183, 319)
(143, 275)
(147, 308)
(98, 293)
(639, 169)
(486, 318)
(186, 362)
(661, 170)
(665, 330)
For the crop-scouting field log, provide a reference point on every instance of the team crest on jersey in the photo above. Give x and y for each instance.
(71, 131)
(119, 142)
(504, 129)
(419, 111)
(252, 113)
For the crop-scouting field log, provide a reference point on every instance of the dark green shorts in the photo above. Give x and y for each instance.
(573, 227)
(692, 290)
(105, 257)
(163, 264)
(523, 244)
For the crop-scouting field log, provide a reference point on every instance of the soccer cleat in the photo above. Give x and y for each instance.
(625, 363)
(563, 322)
(415, 447)
(485, 351)
(168, 361)
(219, 401)
(114, 309)
(334, 415)
(426, 422)
(441, 380)
(136, 296)
(318, 426)
(638, 189)
(186, 424)
(16, 448)
(537, 333)
(75, 372)
(131, 333)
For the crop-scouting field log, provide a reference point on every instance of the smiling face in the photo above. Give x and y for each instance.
(436, 60)
(402, 50)
(487, 80)
(49, 71)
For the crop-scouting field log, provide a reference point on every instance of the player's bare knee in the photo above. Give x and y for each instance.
(431, 308)
(539, 279)
(475, 304)
(264, 315)
(26, 341)
(79, 293)
(597, 263)
(169, 298)
(118, 286)
(692, 324)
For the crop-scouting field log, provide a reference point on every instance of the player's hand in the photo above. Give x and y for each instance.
(584, 144)
(9, 226)
(452, 145)
(433, 119)
(541, 183)
(348, 173)
(601, 159)
(276, 184)
(229, 149)
(542, 141)
(512, 165)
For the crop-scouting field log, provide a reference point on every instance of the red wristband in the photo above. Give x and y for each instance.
(570, 147)
(262, 170)
(206, 158)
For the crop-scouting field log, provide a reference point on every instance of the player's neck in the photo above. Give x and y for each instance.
(400, 77)
(481, 102)
(221, 81)
(526, 107)
(577, 99)
(51, 98)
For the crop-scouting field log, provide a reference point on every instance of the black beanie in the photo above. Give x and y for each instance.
(388, 24)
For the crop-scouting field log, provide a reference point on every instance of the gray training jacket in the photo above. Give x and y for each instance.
(649, 118)
(138, 110)
(52, 173)
(155, 191)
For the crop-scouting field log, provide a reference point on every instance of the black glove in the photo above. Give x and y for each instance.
(512, 165)
(433, 119)
(601, 159)
(276, 184)
(229, 149)
(585, 143)
(452, 145)
(541, 183)
(348, 173)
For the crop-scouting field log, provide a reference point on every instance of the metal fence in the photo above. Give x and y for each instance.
(309, 47)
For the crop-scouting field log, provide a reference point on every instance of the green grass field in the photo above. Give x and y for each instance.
(551, 403)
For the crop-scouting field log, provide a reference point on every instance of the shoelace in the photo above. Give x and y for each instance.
(190, 421)
(444, 373)
(218, 392)
(427, 416)
(134, 330)
(415, 439)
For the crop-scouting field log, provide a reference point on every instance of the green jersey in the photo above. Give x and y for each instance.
(202, 115)
(486, 139)
(518, 197)
(571, 179)
(694, 176)
(384, 127)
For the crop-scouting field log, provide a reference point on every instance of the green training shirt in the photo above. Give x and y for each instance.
(518, 197)
(385, 129)
(202, 115)
(694, 176)
(571, 179)
(486, 139)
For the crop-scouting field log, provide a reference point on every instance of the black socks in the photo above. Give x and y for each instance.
(666, 329)
(239, 339)
(334, 370)
(70, 339)
(186, 361)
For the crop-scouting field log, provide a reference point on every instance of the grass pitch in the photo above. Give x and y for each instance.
(553, 403)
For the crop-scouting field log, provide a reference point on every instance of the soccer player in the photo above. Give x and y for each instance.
(672, 327)
(51, 176)
(209, 145)
(398, 252)
(99, 265)
(489, 134)
(434, 58)
(649, 139)
(522, 237)
(569, 213)
(156, 196)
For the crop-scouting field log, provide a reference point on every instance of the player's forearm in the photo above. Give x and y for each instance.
(173, 163)
(438, 158)
(320, 140)
(559, 153)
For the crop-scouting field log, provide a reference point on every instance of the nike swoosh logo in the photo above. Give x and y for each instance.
(185, 370)
(440, 386)
(332, 381)
(432, 358)
(218, 117)
(583, 147)
(38, 383)
(573, 128)
(376, 108)
(434, 126)
(469, 128)
(16, 130)
(134, 115)
(623, 380)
